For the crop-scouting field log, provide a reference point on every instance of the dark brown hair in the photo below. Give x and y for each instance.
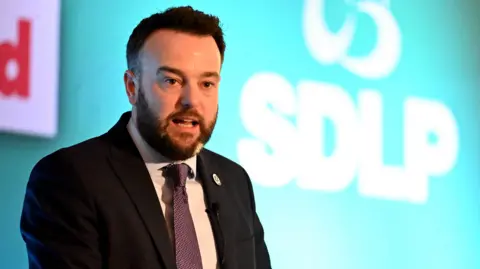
(183, 19)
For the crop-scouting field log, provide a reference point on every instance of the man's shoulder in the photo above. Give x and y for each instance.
(88, 150)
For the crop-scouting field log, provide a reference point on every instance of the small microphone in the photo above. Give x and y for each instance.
(212, 209)
(214, 215)
(215, 209)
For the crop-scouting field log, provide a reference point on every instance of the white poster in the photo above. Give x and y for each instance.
(29, 67)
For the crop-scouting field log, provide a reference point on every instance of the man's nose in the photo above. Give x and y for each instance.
(190, 95)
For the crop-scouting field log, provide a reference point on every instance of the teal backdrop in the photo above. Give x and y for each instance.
(359, 160)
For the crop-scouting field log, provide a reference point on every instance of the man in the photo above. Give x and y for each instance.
(146, 194)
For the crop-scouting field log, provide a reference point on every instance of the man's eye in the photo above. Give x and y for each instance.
(208, 84)
(171, 81)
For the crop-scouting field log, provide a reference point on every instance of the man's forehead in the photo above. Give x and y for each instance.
(182, 51)
(168, 43)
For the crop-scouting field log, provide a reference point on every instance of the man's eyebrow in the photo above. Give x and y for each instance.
(178, 72)
(211, 75)
(169, 69)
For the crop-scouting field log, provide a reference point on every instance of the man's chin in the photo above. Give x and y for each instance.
(182, 146)
(181, 153)
(186, 148)
(184, 142)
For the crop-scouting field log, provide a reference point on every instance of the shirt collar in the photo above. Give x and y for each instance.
(151, 156)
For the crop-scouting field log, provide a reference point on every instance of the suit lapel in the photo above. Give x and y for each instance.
(216, 195)
(206, 169)
(130, 168)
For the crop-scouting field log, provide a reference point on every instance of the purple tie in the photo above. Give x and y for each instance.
(187, 251)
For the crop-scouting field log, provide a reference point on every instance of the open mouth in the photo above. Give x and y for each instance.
(185, 122)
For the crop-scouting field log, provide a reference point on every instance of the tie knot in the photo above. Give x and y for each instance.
(179, 173)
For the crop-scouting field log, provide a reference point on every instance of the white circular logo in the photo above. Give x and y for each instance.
(332, 48)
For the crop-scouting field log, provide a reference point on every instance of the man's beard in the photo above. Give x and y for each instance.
(154, 131)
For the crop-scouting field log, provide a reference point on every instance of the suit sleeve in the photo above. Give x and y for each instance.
(262, 255)
(58, 222)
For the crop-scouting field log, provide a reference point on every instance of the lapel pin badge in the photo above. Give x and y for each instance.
(216, 179)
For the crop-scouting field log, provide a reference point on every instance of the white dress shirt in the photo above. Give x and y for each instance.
(154, 162)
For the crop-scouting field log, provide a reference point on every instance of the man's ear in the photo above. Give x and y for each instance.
(131, 86)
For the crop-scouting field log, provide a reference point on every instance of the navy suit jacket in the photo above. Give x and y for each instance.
(93, 205)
